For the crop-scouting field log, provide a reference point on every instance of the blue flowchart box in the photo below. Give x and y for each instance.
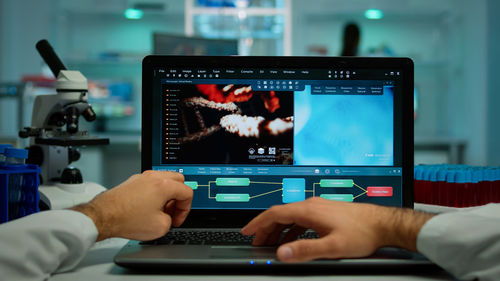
(294, 190)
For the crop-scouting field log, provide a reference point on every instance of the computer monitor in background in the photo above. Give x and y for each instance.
(111, 98)
(166, 44)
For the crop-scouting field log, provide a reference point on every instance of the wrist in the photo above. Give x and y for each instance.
(401, 227)
(90, 210)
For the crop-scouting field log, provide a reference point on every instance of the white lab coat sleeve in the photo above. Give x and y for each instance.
(465, 243)
(34, 247)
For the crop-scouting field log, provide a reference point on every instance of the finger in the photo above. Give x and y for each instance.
(180, 214)
(183, 195)
(273, 223)
(274, 237)
(269, 236)
(165, 225)
(170, 207)
(165, 174)
(175, 176)
(305, 250)
(151, 231)
(283, 214)
(258, 221)
(176, 191)
(293, 233)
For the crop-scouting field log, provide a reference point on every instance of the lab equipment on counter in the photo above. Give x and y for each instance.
(2, 151)
(456, 185)
(55, 136)
(18, 184)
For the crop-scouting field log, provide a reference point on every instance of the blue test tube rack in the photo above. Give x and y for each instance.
(29, 198)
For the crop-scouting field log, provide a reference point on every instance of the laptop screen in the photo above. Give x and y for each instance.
(250, 138)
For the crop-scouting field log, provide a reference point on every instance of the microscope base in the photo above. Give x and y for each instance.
(62, 196)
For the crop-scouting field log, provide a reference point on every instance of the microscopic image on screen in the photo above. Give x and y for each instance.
(229, 124)
(347, 130)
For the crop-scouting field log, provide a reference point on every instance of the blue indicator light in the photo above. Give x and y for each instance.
(268, 262)
(252, 262)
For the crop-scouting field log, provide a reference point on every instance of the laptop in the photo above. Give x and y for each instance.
(252, 132)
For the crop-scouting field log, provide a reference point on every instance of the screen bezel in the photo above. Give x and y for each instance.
(237, 217)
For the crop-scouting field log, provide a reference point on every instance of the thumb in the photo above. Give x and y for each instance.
(303, 250)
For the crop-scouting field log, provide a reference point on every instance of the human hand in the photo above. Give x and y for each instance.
(346, 230)
(142, 208)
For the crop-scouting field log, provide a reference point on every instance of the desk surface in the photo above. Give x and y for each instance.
(98, 265)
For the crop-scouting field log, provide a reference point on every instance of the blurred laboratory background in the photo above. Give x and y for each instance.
(454, 44)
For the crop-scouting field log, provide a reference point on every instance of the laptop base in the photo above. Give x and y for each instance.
(189, 259)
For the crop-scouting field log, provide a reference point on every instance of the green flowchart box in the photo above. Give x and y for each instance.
(232, 197)
(192, 184)
(232, 181)
(336, 183)
(338, 197)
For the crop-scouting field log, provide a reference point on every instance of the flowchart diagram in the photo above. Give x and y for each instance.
(291, 189)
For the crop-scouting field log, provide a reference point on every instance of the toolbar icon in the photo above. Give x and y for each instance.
(272, 150)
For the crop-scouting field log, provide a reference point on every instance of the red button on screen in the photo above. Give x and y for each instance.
(379, 191)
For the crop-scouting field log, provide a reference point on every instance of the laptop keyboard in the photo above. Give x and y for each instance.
(210, 238)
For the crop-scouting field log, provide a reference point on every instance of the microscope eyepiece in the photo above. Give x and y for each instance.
(50, 57)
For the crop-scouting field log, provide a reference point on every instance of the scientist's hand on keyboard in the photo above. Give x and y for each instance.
(144, 207)
(346, 230)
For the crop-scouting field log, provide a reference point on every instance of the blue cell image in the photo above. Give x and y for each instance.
(344, 130)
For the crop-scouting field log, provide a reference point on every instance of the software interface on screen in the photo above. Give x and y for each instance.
(253, 138)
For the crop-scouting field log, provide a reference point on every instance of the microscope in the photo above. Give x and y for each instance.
(55, 136)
